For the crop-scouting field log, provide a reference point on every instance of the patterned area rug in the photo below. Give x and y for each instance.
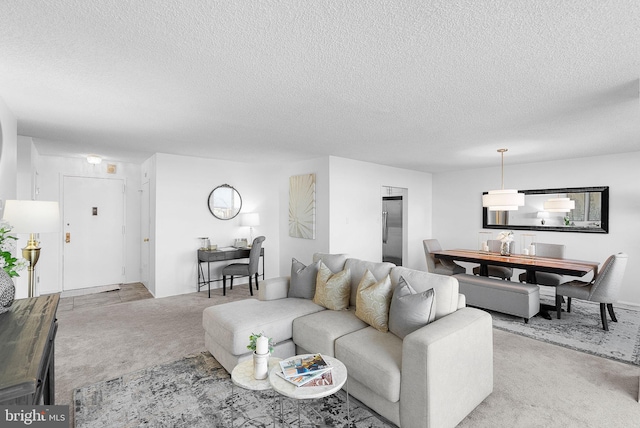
(581, 329)
(196, 391)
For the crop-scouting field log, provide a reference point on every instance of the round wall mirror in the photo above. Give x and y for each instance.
(224, 202)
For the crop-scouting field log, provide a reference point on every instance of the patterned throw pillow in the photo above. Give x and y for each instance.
(332, 290)
(409, 310)
(372, 301)
(303, 279)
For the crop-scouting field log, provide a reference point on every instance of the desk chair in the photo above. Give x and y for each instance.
(501, 272)
(244, 269)
(439, 266)
(604, 288)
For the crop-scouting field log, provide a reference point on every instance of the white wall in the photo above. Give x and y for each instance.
(356, 209)
(182, 187)
(458, 207)
(48, 182)
(8, 154)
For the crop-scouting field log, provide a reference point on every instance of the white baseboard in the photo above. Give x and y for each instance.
(90, 290)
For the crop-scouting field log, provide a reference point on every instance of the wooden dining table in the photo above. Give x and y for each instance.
(531, 264)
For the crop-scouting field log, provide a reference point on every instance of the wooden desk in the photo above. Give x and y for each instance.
(207, 256)
(27, 336)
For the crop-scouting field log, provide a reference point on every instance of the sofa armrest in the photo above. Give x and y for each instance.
(447, 369)
(274, 288)
(462, 301)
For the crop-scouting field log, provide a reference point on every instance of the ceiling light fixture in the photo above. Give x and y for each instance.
(503, 199)
(94, 159)
(559, 205)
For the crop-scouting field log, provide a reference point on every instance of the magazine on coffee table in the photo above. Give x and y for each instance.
(318, 378)
(306, 365)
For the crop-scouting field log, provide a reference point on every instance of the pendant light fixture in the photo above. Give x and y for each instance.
(559, 205)
(503, 199)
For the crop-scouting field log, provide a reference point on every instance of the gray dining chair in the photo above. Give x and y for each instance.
(554, 251)
(501, 272)
(604, 288)
(244, 269)
(439, 266)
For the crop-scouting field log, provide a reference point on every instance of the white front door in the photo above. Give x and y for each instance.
(93, 211)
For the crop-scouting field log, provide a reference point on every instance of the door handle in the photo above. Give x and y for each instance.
(67, 238)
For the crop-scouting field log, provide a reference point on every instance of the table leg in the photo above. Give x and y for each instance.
(544, 308)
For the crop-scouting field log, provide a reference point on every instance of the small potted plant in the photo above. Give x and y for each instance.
(262, 347)
(505, 239)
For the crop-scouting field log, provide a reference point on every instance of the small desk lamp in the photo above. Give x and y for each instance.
(250, 220)
(32, 217)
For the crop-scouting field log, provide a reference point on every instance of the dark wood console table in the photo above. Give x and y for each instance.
(27, 336)
(209, 256)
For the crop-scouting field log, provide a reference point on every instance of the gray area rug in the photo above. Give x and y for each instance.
(196, 391)
(581, 329)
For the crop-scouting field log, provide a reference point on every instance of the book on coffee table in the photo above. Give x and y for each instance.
(303, 365)
(317, 378)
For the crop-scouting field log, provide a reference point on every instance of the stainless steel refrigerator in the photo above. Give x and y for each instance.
(392, 229)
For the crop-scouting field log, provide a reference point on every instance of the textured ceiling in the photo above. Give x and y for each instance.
(426, 85)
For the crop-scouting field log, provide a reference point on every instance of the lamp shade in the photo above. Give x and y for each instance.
(250, 219)
(32, 216)
(503, 200)
(559, 205)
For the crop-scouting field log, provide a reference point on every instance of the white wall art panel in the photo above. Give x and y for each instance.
(302, 206)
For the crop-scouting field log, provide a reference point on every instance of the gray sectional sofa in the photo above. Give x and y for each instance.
(433, 377)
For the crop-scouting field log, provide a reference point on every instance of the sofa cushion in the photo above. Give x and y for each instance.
(358, 268)
(445, 288)
(303, 279)
(231, 324)
(332, 290)
(372, 302)
(409, 310)
(335, 262)
(317, 332)
(374, 359)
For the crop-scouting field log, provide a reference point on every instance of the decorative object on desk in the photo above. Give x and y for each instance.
(10, 264)
(503, 199)
(213, 247)
(505, 239)
(204, 243)
(262, 347)
(224, 202)
(241, 243)
(7, 291)
(302, 206)
(32, 217)
(250, 220)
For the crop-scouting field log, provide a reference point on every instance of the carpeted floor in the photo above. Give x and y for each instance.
(195, 392)
(535, 383)
(581, 329)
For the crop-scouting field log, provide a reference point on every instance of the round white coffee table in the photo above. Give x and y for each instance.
(286, 389)
(242, 376)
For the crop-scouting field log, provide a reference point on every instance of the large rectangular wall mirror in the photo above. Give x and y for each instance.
(591, 212)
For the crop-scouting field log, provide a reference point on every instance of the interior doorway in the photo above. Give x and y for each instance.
(94, 245)
(394, 220)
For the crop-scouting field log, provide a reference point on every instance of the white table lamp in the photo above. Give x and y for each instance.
(251, 220)
(32, 217)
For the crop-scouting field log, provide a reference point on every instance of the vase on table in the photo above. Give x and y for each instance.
(7, 291)
(504, 248)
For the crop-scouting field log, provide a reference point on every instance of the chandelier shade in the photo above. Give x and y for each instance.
(503, 199)
(559, 205)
